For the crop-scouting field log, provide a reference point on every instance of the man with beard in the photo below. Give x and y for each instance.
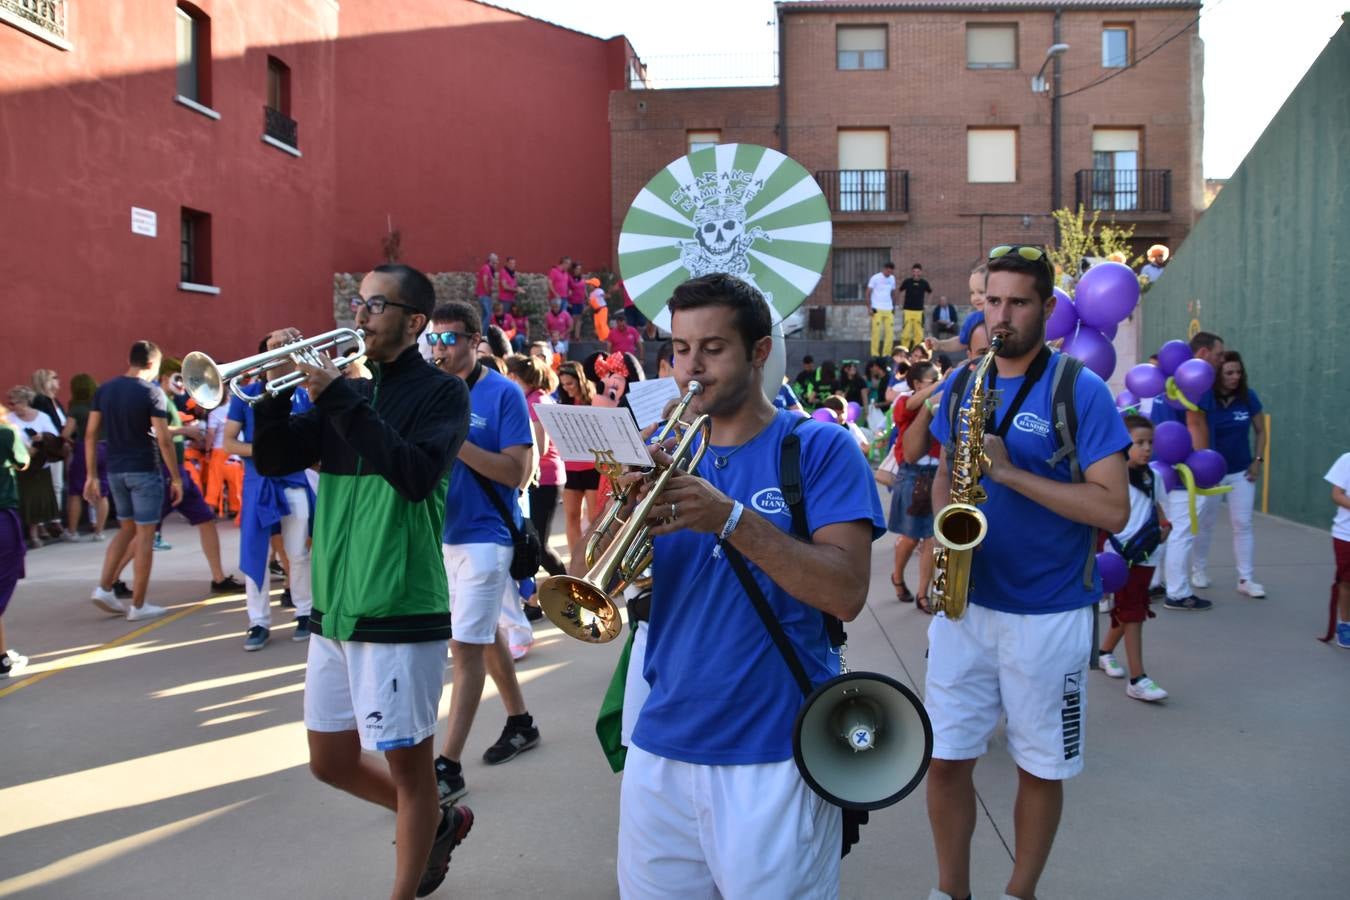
(1021, 649)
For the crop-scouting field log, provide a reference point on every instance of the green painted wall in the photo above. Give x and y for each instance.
(1267, 268)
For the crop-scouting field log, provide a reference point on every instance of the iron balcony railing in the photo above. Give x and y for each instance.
(279, 126)
(49, 15)
(865, 190)
(1125, 190)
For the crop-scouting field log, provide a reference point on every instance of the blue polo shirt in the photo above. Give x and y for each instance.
(1230, 430)
(498, 418)
(127, 405)
(1031, 560)
(242, 413)
(721, 693)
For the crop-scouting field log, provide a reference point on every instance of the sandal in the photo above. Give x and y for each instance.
(921, 603)
(902, 591)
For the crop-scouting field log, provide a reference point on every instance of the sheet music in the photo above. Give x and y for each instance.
(648, 399)
(578, 431)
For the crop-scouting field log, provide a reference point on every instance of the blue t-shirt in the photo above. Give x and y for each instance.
(721, 693)
(1229, 430)
(973, 321)
(242, 413)
(1031, 560)
(786, 399)
(126, 406)
(498, 418)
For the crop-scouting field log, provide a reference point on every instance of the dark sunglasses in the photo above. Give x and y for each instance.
(448, 338)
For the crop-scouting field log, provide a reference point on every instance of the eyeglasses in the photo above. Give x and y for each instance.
(1029, 252)
(448, 338)
(375, 305)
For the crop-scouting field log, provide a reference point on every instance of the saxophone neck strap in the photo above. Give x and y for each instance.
(1034, 373)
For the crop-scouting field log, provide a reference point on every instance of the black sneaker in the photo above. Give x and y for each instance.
(515, 740)
(121, 591)
(275, 568)
(1190, 604)
(286, 601)
(1157, 593)
(456, 822)
(301, 632)
(450, 785)
(256, 638)
(533, 613)
(227, 585)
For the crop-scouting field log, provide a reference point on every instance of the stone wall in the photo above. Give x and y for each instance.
(531, 299)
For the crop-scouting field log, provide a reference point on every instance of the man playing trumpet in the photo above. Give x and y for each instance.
(712, 803)
(381, 621)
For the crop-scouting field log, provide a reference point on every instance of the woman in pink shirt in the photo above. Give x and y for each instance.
(576, 298)
(538, 382)
(624, 338)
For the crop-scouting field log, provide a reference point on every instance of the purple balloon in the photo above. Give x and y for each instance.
(1171, 355)
(1208, 467)
(853, 411)
(1106, 294)
(1171, 481)
(1092, 347)
(1193, 378)
(1125, 399)
(1063, 319)
(1146, 379)
(1113, 570)
(1109, 332)
(825, 415)
(1171, 443)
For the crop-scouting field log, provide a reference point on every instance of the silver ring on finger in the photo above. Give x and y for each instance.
(674, 512)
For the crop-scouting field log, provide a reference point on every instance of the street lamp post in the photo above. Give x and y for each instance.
(1039, 86)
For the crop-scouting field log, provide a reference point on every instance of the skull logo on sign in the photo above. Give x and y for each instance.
(721, 239)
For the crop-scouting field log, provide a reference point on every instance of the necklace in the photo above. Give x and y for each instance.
(720, 462)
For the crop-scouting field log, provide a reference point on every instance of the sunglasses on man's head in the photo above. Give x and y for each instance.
(1029, 252)
(448, 338)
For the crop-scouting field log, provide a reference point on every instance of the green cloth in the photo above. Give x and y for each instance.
(176, 421)
(609, 723)
(13, 456)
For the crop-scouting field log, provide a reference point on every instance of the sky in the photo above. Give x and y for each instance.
(1255, 51)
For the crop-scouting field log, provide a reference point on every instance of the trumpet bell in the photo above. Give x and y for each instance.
(202, 380)
(580, 609)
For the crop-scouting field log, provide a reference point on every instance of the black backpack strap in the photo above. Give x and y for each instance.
(1064, 408)
(771, 623)
(794, 495)
(486, 484)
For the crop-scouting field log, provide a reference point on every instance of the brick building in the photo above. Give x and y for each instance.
(921, 122)
(196, 172)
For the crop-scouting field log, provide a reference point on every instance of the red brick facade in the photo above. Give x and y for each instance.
(927, 99)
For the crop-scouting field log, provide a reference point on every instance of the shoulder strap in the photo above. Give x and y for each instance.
(794, 495)
(958, 395)
(771, 623)
(486, 484)
(1065, 411)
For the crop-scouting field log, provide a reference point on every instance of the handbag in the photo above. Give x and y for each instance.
(527, 552)
(921, 501)
(888, 470)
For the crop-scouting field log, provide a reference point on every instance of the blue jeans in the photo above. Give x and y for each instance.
(137, 495)
(486, 304)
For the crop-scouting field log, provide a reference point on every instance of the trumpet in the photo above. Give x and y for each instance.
(564, 598)
(205, 379)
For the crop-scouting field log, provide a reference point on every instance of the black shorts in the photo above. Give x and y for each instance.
(583, 480)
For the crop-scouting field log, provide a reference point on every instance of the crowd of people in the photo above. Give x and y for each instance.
(457, 480)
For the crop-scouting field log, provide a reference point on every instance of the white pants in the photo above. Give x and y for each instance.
(1240, 502)
(1177, 563)
(389, 693)
(691, 832)
(294, 535)
(479, 585)
(636, 689)
(58, 470)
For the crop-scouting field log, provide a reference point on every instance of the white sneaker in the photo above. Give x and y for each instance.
(1145, 689)
(1250, 588)
(107, 601)
(17, 662)
(1109, 665)
(1199, 580)
(148, 611)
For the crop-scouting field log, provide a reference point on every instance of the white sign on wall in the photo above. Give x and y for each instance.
(144, 221)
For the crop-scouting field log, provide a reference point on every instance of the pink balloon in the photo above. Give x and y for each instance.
(1114, 571)
(1063, 319)
(1145, 379)
(1171, 355)
(825, 415)
(1092, 347)
(1171, 481)
(1106, 294)
(1171, 443)
(853, 411)
(1193, 378)
(1208, 467)
(1126, 399)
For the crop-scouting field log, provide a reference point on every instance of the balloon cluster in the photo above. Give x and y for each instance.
(1106, 295)
(1181, 379)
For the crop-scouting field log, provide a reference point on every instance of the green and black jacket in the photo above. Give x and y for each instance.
(384, 447)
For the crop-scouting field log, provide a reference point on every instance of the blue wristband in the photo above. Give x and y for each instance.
(732, 520)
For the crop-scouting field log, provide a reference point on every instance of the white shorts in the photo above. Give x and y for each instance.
(693, 832)
(1030, 668)
(479, 577)
(387, 692)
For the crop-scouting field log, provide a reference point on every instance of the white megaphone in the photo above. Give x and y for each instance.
(863, 741)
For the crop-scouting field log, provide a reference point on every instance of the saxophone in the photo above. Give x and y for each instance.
(960, 526)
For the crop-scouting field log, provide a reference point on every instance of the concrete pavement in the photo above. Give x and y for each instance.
(163, 761)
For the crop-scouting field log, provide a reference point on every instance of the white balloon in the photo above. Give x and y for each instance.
(776, 365)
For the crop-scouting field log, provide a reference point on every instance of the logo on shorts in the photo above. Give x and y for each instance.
(1031, 424)
(770, 502)
(1071, 714)
(373, 722)
(375, 717)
